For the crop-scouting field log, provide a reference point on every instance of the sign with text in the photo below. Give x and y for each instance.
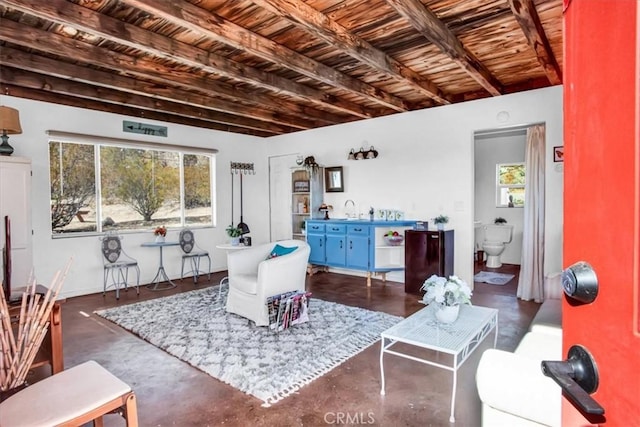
(144, 128)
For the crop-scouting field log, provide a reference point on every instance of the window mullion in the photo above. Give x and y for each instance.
(98, 183)
(183, 220)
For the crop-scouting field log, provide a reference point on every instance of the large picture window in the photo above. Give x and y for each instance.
(101, 187)
(510, 179)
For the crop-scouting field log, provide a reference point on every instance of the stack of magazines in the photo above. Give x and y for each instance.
(290, 308)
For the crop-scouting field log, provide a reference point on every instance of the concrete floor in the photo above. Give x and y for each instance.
(172, 393)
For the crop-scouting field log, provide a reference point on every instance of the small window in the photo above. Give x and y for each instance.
(510, 178)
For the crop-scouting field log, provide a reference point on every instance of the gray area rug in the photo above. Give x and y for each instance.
(493, 278)
(255, 360)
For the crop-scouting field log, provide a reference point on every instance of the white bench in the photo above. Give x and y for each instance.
(73, 397)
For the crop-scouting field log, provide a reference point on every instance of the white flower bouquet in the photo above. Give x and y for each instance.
(446, 292)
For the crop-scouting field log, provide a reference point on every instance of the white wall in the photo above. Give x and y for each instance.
(50, 255)
(489, 151)
(426, 167)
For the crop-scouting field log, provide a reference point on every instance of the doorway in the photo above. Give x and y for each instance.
(492, 148)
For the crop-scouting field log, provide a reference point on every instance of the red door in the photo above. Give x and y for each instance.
(601, 186)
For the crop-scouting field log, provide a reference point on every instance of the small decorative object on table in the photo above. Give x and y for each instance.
(390, 215)
(160, 233)
(234, 233)
(325, 208)
(440, 221)
(422, 225)
(447, 295)
(393, 238)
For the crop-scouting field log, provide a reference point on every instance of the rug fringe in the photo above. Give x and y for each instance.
(315, 375)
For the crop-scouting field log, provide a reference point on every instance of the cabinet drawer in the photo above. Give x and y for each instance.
(336, 229)
(359, 230)
(313, 227)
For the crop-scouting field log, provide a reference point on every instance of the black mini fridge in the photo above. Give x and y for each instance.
(426, 253)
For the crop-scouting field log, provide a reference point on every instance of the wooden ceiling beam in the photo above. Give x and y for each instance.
(434, 30)
(194, 18)
(89, 21)
(321, 26)
(527, 16)
(31, 80)
(51, 67)
(72, 101)
(531, 84)
(143, 68)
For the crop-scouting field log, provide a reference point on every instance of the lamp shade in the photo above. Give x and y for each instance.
(10, 120)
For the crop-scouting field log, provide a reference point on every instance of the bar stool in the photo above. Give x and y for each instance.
(73, 397)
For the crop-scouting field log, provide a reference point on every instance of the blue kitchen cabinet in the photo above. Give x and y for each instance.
(358, 242)
(336, 247)
(356, 245)
(316, 241)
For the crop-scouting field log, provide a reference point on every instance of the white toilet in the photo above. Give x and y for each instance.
(495, 239)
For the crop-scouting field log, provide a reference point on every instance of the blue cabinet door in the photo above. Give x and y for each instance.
(336, 250)
(358, 252)
(316, 242)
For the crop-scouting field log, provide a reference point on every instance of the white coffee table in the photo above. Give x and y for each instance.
(458, 339)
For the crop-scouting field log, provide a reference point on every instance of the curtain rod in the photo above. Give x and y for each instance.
(84, 138)
(499, 130)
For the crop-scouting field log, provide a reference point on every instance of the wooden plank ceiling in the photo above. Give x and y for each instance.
(269, 67)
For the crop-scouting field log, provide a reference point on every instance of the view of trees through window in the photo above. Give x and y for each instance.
(135, 189)
(510, 186)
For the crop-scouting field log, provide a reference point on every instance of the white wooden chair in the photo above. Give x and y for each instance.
(73, 397)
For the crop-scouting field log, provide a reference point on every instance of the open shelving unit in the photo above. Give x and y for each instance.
(388, 256)
(306, 197)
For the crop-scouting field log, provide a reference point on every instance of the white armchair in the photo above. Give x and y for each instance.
(253, 278)
(511, 385)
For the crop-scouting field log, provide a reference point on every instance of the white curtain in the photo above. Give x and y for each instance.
(531, 281)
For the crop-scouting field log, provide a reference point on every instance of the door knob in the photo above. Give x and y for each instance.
(578, 378)
(580, 282)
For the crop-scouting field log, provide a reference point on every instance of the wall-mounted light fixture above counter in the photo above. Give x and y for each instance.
(363, 154)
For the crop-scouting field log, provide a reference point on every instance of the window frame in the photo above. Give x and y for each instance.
(99, 142)
(500, 186)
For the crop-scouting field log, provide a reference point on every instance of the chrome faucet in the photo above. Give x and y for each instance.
(353, 205)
